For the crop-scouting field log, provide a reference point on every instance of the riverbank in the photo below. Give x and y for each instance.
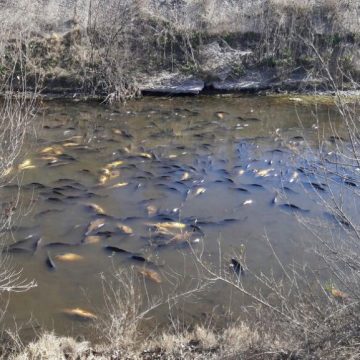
(121, 50)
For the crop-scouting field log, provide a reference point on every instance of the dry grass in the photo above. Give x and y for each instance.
(50, 346)
(108, 47)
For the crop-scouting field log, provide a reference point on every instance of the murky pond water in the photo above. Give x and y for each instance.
(108, 185)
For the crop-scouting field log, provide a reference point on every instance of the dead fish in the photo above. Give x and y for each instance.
(69, 257)
(150, 274)
(114, 174)
(115, 249)
(95, 225)
(117, 131)
(114, 165)
(80, 313)
(237, 267)
(221, 114)
(118, 185)
(295, 99)
(103, 179)
(50, 262)
(294, 176)
(96, 208)
(151, 210)
(25, 165)
(185, 176)
(145, 155)
(122, 133)
(264, 172)
(54, 150)
(125, 229)
(199, 191)
(338, 294)
(7, 171)
(91, 239)
(70, 144)
(170, 225)
(248, 202)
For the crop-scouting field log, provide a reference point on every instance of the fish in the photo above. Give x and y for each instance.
(338, 294)
(25, 165)
(237, 267)
(138, 258)
(294, 176)
(69, 257)
(199, 191)
(116, 249)
(50, 262)
(80, 313)
(96, 208)
(95, 225)
(150, 274)
(125, 229)
(170, 225)
(240, 189)
(118, 185)
(264, 172)
(114, 174)
(257, 186)
(252, 119)
(114, 165)
(91, 239)
(318, 187)
(350, 183)
(275, 199)
(54, 150)
(7, 171)
(221, 114)
(70, 144)
(58, 244)
(145, 155)
(18, 250)
(37, 243)
(18, 245)
(248, 202)
(293, 207)
(103, 179)
(117, 131)
(151, 210)
(295, 99)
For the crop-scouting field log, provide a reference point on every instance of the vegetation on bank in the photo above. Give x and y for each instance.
(111, 48)
(116, 48)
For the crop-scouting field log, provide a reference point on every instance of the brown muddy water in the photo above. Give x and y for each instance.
(98, 180)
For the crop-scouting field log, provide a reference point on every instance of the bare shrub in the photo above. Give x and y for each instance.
(50, 346)
(129, 302)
